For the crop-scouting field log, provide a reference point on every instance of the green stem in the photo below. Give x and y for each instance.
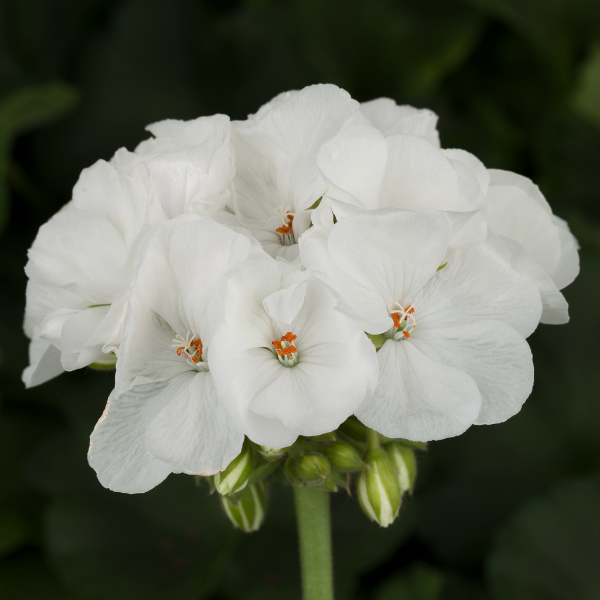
(314, 529)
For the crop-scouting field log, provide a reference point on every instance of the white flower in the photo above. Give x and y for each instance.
(75, 267)
(364, 168)
(277, 179)
(189, 163)
(390, 118)
(453, 351)
(283, 359)
(78, 265)
(541, 245)
(164, 415)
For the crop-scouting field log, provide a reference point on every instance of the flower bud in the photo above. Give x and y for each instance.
(313, 468)
(246, 510)
(235, 477)
(403, 459)
(378, 489)
(344, 457)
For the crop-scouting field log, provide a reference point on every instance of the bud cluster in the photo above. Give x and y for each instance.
(386, 469)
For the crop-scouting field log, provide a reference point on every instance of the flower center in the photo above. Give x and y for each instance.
(285, 230)
(190, 348)
(404, 322)
(286, 351)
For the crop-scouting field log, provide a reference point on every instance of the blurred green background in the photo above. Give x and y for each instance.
(510, 511)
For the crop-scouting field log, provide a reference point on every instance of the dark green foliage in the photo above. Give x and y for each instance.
(506, 511)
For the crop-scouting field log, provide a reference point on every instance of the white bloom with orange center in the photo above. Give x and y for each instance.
(284, 361)
(540, 243)
(78, 265)
(165, 415)
(452, 338)
(277, 179)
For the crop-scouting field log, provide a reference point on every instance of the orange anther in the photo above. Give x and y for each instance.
(195, 360)
(180, 350)
(288, 337)
(293, 349)
(277, 344)
(411, 310)
(396, 319)
(406, 334)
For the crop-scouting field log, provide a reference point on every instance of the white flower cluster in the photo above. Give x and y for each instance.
(271, 277)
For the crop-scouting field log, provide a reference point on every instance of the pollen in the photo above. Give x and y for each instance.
(285, 349)
(404, 322)
(285, 216)
(189, 348)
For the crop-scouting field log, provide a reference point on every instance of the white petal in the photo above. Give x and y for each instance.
(568, 263)
(118, 451)
(190, 164)
(82, 338)
(147, 349)
(493, 354)
(276, 149)
(201, 252)
(82, 250)
(555, 310)
(353, 164)
(478, 284)
(391, 118)
(44, 363)
(283, 305)
(514, 213)
(193, 433)
(419, 398)
(419, 176)
(392, 255)
(114, 195)
(473, 164)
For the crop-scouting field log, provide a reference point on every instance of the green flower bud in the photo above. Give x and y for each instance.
(313, 468)
(344, 457)
(403, 459)
(289, 470)
(235, 477)
(246, 510)
(378, 489)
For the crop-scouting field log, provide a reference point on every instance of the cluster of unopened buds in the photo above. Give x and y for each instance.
(311, 293)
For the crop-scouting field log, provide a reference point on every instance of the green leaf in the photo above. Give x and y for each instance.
(550, 548)
(586, 97)
(22, 111)
(33, 106)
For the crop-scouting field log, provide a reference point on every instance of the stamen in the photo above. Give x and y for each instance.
(404, 322)
(285, 230)
(286, 351)
(191, 349)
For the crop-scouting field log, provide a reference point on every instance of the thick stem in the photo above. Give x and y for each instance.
(314, 529)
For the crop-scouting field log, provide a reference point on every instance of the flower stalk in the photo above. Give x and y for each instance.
(314, 531)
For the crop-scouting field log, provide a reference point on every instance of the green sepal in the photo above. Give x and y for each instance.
(109, 363)
(262, 470)
(344, 457)
(324, 437)
(378, 339)
(246, 509)
(235, 477)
